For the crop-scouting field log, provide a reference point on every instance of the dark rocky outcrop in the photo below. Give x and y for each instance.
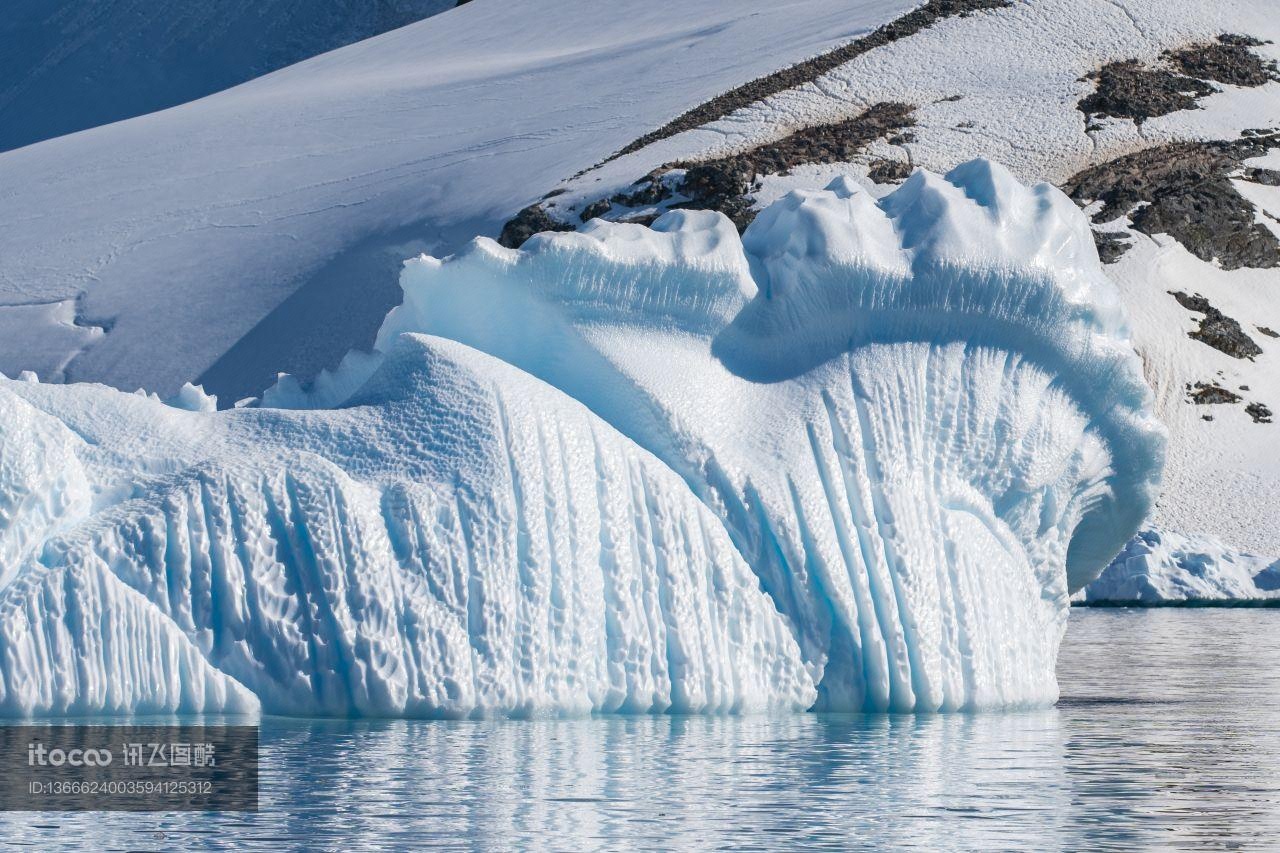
(1266, 177)
(1205, 394)
(1184, 189)
(1217, 329)
(1111, 246)
(1260, 413)
(837, 142)
(727, 183)
(532, 220)
(1228, 60)
(648, 191)
(645, 219)
(1129, 89)
(596, 209)
(889, 171)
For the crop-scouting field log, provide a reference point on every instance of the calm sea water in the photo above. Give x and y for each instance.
(1167, 736)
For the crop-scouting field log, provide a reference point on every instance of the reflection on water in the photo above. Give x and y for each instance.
(1165, 737)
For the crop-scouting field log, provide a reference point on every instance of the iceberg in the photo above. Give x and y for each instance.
(856, 459)
(1161, 567)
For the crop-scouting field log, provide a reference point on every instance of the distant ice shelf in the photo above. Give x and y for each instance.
(857, 458)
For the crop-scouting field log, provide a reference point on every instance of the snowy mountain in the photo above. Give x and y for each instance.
(67, 65)
(905, 431)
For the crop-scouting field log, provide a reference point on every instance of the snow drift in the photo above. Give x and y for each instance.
(857, 458)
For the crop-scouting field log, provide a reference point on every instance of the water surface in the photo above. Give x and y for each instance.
(1166, 736)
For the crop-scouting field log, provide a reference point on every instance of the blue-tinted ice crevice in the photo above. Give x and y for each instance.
(857, 458)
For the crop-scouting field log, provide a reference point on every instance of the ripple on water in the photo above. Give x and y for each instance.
(1164, 737)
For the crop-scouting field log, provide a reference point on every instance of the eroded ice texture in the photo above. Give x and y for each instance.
(856, 458)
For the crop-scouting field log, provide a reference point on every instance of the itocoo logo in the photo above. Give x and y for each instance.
(39, 755)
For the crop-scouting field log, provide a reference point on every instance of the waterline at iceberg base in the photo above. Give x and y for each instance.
(858, 458)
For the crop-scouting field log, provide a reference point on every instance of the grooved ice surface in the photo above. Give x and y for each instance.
(857, 458)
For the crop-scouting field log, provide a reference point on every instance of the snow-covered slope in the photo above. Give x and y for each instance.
(67, 65)
(261, 229)
(1223, 476)
(1160, 568)
(855, 459)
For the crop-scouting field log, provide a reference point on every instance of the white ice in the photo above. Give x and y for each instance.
(1163, 567)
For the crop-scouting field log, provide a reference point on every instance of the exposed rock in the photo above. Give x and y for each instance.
(809, 70)
(837, 142)
(1188, 195)
(645, 219)
(726, 183)
(1211, 395)
(1197, 303)
(1217, 329)
(1228, 60)
(532, 220)
(1260, 413)
(721, 185)
(596, 209)
(1111, 246)
(1224, 334)
(1269, 332)
(889, 171)
(1130, 90)
(1267, 177)
(647, 191)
